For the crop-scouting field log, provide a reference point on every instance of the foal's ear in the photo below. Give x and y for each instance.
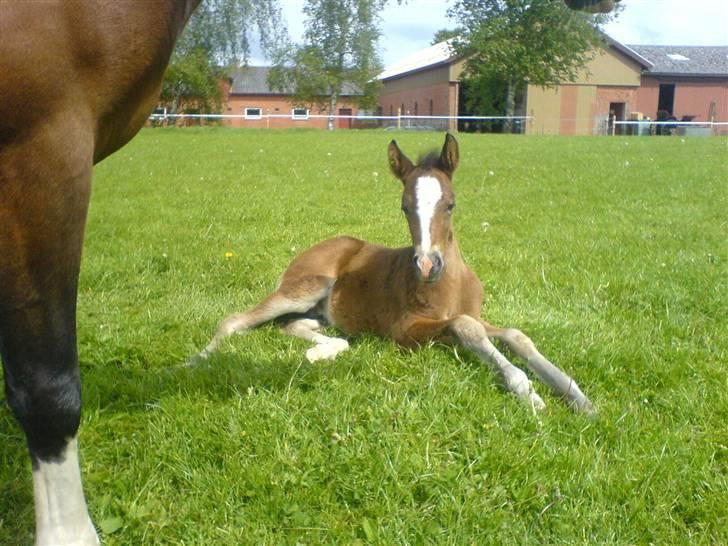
(398, 162)
(450, 156)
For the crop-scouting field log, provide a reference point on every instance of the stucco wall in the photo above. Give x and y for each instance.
(610, 67)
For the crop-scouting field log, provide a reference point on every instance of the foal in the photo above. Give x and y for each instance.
(411, 295)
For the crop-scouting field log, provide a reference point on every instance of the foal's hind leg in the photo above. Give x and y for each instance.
(299, 299)
(326, 347)
(560, 383)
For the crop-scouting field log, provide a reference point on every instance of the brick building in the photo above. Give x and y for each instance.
(426, 83)
(249, 95)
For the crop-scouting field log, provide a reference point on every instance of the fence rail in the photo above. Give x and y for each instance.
(518, 124)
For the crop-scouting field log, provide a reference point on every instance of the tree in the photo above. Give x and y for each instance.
(444, 34)
(593, 6)
(518, 42)
(218, 34)
(338, 50)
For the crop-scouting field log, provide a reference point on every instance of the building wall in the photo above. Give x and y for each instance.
(426, 93)
(610, 67)
(278, 105)
(692, 97)
(544, 107)
(582, 107)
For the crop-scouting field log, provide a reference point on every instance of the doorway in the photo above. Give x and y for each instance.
(616, 113)
(345, 123)
(666, 98)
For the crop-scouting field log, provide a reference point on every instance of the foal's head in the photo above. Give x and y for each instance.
(427, 202)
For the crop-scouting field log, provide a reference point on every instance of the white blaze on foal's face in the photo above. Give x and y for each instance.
(428, 193)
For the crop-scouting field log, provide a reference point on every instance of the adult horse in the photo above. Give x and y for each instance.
(77, 81)
(411, 295)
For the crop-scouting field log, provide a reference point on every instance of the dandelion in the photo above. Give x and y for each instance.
(228, 255)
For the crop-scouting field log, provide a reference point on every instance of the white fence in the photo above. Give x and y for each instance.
(496, 124)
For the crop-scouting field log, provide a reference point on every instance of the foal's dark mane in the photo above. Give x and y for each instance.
(429, 160)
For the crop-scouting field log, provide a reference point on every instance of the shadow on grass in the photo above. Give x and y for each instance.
(222, 377)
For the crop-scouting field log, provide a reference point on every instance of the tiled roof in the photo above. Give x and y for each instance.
(685, 60)
(253, 80)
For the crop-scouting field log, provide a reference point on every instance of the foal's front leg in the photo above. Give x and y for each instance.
(326, 347)
(560, 382)
(470, 333)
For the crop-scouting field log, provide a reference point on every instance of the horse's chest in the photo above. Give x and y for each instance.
(376, 303)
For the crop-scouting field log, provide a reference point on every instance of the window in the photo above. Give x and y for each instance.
(299, 113)
(253, 113)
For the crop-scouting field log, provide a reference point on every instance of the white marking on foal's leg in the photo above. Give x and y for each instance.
(326, 348)
(61, 515)
(428, 192)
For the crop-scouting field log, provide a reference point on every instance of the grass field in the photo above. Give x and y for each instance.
(610, 253)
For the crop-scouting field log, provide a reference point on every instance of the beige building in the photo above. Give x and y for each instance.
(609, 83)
(619, 83)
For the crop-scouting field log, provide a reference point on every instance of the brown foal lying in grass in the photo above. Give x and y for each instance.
(411, 295)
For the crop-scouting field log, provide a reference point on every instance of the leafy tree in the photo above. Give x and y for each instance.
(339, 49)
(518, 42)
(593, 6)
(218, 34)
(444, 34)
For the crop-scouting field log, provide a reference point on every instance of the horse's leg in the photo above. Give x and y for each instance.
(471, 334)
(326, 347)
(281, 302)
(44, 192)
(560, 383)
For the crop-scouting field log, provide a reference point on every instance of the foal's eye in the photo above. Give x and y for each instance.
(450, 207)
(405, 209)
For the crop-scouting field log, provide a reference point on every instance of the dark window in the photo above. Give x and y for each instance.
(253, 113)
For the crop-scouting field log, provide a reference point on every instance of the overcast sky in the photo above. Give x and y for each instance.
(409, 27)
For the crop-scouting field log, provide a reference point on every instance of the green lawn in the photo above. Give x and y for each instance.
(610, 253)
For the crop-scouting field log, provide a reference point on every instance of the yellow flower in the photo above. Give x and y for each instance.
(228, 254)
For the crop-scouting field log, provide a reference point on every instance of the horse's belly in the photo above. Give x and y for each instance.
(357, 305)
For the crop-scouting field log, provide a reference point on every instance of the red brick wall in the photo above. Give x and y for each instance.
(276, 105)
(607, 94)
(569, 96)
(438, 95)
(692, 98)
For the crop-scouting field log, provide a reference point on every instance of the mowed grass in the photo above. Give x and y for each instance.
(610, 253)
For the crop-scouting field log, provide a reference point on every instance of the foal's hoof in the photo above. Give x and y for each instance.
(584, 406)
(535, 401)
(328, 350)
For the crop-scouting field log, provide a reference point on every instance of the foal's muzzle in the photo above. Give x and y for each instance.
(429, 266)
